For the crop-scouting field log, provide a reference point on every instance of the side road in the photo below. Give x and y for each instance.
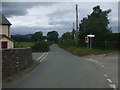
(108, 63)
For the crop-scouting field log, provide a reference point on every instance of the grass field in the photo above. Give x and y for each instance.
(24, 44)
(36, 46)
(84, 51)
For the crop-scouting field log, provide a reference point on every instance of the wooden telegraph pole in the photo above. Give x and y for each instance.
(76, 35)
(73, 31)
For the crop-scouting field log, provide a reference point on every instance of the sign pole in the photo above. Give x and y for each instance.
(90, 36)
(90, 43)
(87, 45)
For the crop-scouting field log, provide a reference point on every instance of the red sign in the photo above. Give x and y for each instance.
(86, 39)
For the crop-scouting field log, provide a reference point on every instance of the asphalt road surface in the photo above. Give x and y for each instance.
(108, 64)
(60, 69)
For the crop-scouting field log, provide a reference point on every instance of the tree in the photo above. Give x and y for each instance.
(22, 38)
(97, 24)
(37, 36)
(44, 37)
(82, 24)
(52, 36)
(67, 36)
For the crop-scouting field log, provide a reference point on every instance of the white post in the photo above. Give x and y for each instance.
(90, 36)
(90, 43)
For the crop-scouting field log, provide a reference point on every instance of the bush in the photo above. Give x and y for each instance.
(41, 46)
(106, 45)
(68, 43)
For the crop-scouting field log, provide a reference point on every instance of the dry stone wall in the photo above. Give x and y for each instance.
(15, 60)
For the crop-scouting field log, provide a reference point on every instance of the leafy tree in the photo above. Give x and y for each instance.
(67, 36)
(67, 39)
(22, 38)
(52, 36)
(82, 24)
(97, 24)
(38, 36)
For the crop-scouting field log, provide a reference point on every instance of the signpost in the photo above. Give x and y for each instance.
(90, 36)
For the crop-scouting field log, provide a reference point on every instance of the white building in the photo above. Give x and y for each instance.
(5, 39)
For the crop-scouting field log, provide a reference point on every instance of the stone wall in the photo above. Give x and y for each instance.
(15, 60)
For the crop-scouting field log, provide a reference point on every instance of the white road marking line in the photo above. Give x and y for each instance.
(90, 59)
(41, 56)
(44, 57)
(109, 80)
(111, 83)
(105, 75)
(113, 86)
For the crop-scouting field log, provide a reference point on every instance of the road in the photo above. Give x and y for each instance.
(60, 69)
(108, 63)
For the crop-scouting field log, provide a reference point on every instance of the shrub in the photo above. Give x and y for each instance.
(41, 46)
(68, 43)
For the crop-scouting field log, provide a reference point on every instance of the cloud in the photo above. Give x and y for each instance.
(113, 22)
(115, 30)
(63, 18)
(61, 12)
(61, 23)
(31, 30)
(20, 8)
(27, 17)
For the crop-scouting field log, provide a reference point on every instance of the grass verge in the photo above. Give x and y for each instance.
(79, 51)
(41, 46)
(24, 44)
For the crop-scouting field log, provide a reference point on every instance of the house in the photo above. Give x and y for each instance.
(5, 39)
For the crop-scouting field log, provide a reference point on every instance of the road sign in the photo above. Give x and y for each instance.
(91, 35)
(86, 39)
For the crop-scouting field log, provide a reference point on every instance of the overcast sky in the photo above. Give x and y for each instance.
(29, 17)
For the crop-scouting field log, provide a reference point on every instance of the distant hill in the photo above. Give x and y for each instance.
(22, 38)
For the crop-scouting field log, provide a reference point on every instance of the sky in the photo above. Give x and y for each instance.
(30, 17)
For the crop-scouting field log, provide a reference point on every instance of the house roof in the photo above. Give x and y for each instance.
(3, 20)
(4, 36)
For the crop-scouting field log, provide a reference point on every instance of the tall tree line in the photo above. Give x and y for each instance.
(96, 23)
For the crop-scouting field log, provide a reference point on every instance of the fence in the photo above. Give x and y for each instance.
(106, 44)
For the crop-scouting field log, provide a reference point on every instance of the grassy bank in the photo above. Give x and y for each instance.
(41, 46)
(84, 51)
(24, 44)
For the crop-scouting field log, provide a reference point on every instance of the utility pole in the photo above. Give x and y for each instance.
(76, 20)
(73, 25)
(73, 30)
